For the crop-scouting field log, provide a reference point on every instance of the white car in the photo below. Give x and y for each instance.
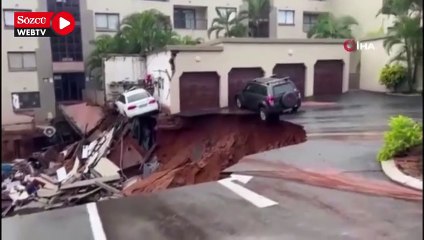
(136, 102)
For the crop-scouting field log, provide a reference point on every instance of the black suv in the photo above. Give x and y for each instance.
(269, 96)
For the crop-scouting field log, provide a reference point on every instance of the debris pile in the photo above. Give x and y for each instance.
(118, 157)
(81, 172)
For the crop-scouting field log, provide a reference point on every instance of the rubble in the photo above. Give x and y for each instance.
(116, 157)
(80, 172)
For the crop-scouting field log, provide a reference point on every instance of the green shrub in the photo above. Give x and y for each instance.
(404, 133)
(393, 75)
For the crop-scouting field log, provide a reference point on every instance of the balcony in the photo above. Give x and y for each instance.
(190, 18)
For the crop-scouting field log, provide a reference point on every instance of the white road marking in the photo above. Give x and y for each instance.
(241, 178)
(249, 195)
(96, 223)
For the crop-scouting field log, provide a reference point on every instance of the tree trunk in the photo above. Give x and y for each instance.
(409, 67)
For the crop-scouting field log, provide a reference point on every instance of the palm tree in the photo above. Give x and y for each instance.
(140, 33)
(231, 25)
(104, 45)
(401, 7)
(258, 12)
(147, 32)
(328, 26)
(404, 39)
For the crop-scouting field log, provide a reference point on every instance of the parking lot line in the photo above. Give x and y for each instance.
(95, 222)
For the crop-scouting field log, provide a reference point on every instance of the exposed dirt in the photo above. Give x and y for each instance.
(335, 179)
(410, 162)
(210, 144)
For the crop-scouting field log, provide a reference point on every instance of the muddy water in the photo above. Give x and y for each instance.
(210, 144)
(337, 180)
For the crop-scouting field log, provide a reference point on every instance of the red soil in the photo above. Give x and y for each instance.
(210, 144)
(410, 162)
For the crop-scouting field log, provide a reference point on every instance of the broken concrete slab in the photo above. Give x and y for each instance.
(102, 146)
(106, 168)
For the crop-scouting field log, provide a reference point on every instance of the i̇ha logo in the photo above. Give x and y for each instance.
(352, 45)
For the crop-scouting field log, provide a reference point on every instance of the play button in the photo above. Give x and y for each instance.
(63, 23)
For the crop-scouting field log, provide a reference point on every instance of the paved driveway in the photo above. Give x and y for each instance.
(357, 111)
(210, 211)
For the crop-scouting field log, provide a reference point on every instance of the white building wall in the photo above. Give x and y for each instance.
(159, 67)
(122, 68)
(22, 81)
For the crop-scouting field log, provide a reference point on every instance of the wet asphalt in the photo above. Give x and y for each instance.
(211, 211)
(356, 111)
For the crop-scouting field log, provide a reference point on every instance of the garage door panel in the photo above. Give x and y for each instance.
(237, 80)
(296, 71)
(199, 91)
(328, 77)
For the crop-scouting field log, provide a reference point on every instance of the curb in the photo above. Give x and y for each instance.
(331, 134)
(404, 94)
(392, 172)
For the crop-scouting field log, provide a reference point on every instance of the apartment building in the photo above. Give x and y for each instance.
(294, 18)
(39, 72)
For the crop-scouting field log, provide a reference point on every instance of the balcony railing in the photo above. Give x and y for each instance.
(195, 24)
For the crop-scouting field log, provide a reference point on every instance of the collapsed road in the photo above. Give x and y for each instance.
(116, 157)
(200, 151)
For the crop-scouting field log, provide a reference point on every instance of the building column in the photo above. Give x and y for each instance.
(309, 79)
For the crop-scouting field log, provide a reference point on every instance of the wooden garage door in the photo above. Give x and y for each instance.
(295, 71)
(237, 79)
(199, 91)
(328, 77)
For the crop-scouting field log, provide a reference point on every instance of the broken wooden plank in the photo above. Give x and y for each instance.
(108, 188)
(47, 193)
(85, 183)
(83, 195)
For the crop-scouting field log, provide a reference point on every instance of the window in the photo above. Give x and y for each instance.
(25, 100)
(67, 48)
(261, 90)
(8, 16)
(121, 99)
(257, 89)
(285, 17)
(249, 88)
(282, 88)
(184, 18)
(107, 21)
(21, 61)
(309, 20)
(138, 96)
(224, 11)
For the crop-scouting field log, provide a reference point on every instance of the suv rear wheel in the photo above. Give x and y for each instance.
(263, 114)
